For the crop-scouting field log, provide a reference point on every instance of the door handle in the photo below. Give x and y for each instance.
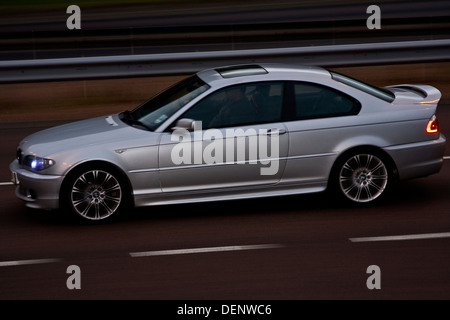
(275, 131)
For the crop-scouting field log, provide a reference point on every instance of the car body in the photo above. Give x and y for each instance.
(295, 129)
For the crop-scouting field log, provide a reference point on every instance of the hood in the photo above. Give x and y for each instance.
(103, 131)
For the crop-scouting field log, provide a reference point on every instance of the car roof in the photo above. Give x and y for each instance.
(237, 73)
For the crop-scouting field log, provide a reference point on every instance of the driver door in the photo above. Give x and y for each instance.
(244, 146)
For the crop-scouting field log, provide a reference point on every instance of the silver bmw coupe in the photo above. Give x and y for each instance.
(236, 132)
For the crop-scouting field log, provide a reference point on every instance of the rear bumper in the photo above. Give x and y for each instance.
(419, 159)
(37, 190)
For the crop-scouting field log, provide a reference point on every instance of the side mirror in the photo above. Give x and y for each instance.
(187, 124)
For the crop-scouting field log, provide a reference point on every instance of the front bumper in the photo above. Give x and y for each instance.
(39, 191)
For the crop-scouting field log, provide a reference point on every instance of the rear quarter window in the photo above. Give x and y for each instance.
(316, 101)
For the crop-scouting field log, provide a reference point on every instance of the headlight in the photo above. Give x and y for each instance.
(37, 163)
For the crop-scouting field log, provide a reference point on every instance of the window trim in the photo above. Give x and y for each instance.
(288, 108)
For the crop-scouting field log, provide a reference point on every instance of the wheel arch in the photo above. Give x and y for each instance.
(375, 150)
(102, 164)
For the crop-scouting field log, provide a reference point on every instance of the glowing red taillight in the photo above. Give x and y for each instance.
(433, 125)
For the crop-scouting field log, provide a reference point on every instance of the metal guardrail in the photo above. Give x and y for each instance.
(88, 42)
(190, 62)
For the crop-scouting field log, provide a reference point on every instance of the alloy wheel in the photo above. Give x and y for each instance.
(363, 178)
(96, 195)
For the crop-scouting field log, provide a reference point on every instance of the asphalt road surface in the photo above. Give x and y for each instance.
(301, 247)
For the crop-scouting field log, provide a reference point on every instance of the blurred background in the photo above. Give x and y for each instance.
(36, 30)
(51, 75)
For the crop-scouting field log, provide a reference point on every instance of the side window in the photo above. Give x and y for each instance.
(316, 101)
(239, 105)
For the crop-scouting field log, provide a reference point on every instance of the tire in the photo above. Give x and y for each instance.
(362, 177)
(95, 194)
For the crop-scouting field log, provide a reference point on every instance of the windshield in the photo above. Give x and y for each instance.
(381, 93)
(155, 111)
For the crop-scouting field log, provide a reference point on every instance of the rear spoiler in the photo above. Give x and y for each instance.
(430, 94)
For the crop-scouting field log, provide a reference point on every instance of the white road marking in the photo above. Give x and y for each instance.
(203, 250)
(403, 237)
(24, 262)
(153, 253)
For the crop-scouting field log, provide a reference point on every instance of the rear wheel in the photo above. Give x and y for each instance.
(95, 194)
(362, 177)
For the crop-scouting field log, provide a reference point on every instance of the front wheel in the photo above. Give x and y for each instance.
(95, 194)
(362, 177)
